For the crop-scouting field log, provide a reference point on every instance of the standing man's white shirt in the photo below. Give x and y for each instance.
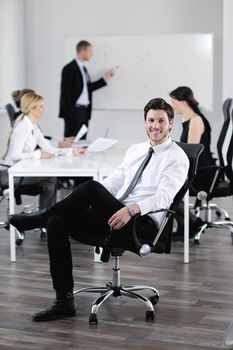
(84, 97)
(164, 175)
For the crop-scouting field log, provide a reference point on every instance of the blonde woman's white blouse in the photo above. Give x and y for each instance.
(24, 139)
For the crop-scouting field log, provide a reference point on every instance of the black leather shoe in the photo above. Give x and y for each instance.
(63, 306)
(29, 221)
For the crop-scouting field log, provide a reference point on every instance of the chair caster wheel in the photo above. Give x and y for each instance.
(228, 219)
(19, 241)
(154, 299)
(196, 241)
(93, 319)
(43, 235)
(150, 315)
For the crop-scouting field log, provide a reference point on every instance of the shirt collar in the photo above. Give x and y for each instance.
(79, 63)
(161, 147)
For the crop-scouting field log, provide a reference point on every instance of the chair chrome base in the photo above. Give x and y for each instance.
(213, 207)
(4, 224)
(115, 289)
(220, 224)
(208, 208)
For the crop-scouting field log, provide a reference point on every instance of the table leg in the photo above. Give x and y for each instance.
(186, 228)
(11, 211)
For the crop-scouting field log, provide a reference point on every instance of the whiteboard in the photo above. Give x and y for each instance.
(148, 67)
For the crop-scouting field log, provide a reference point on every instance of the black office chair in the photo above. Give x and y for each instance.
(11, 112)
(221, 186)
(227, 105)
(161, 244)
(3, 224)
(30, 190)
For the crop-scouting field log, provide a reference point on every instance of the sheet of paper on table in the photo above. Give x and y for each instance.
(101, 144)
(80, 133)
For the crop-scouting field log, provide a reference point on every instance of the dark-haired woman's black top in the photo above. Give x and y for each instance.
(203, 178)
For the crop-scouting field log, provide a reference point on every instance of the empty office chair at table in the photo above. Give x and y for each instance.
(221, 186)
(161, 244)
(227, 109)
(227, 106)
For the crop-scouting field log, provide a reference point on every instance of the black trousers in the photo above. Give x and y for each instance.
(75, 122)
(83, 215)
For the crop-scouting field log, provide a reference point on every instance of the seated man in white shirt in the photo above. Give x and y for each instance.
(92, 209)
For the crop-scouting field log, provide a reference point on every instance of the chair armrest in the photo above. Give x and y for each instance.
(168, 211)
(146, 249)
(213, 166)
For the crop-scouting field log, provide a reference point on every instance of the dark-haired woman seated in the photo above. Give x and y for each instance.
(196, 129)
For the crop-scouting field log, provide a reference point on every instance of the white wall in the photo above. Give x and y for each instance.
(48, 22)
(45, 46)
(227, 58)
(12, 58)
(227, 49)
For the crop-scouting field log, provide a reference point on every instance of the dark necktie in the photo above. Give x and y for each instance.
(86, 75)
(137, 175)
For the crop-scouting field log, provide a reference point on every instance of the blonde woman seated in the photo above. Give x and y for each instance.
(24, 139)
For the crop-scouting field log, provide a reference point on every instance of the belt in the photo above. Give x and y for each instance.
(81, 106)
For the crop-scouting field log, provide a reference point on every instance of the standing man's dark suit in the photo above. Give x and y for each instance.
(71, 88)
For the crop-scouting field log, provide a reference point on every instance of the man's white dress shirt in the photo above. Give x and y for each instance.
(84, 97)
(24, 139)
(162, 178)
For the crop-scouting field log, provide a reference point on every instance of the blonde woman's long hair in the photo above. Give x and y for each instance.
(28, 102)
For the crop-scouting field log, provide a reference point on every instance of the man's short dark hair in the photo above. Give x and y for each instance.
(82, 45)
(159, 103)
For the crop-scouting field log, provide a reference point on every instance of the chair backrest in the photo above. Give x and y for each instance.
(227, 116)
(193, 152)
(162, 242)
(11, 112)
(228, 168)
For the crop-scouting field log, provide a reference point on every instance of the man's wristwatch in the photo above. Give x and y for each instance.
(131, 210)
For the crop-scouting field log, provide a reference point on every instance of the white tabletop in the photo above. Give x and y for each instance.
(58, 166)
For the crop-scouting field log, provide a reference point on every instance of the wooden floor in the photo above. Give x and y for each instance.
(194, 311)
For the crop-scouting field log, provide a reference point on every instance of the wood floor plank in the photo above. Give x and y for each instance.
(194, 311)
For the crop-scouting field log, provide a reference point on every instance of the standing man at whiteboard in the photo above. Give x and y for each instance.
(76, 90)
